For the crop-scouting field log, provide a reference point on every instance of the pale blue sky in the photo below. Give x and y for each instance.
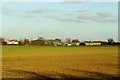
(85, 21)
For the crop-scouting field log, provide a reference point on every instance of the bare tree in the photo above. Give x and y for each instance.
(59, 40)
(40, 38)
(68, 40)
(110, 41)
(2, 41)
(27, 42)
(21, 42)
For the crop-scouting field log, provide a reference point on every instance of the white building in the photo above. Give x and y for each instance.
(92, 44)
(69, 44)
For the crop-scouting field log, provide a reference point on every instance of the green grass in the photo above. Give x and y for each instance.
(57, 62)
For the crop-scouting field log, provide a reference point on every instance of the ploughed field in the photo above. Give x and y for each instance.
(59, 62)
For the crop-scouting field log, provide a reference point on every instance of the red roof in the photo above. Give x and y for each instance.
(13, 40)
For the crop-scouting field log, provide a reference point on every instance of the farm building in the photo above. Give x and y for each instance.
(92, 44)
(76, 44)
(12, 42)
(68, 44)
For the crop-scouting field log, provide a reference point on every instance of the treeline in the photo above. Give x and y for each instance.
(40, 41)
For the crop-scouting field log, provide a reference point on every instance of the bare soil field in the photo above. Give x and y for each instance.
(59, 63)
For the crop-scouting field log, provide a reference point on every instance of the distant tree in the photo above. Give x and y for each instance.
(27, 42)
(21, 42)
(2, 40)
(40, 38)
(68, 40)
(38, 42)
(110, 41)
(59, 40)
(75, 41)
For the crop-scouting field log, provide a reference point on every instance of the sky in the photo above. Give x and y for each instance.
(59, 0)
(84, 20)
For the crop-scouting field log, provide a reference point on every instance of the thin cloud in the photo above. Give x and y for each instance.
(85, 17)
(65, 19)
(59, 0)
(81, 16)
(40, 11)
(12, 12)
(101, 17)
(82, 11)
(75, 1)
(28, 13)
(90, 0)
(104, 14)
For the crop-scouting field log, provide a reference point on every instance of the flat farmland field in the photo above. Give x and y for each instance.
(59, 62)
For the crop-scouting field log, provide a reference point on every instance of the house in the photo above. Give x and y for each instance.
(12, 42)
